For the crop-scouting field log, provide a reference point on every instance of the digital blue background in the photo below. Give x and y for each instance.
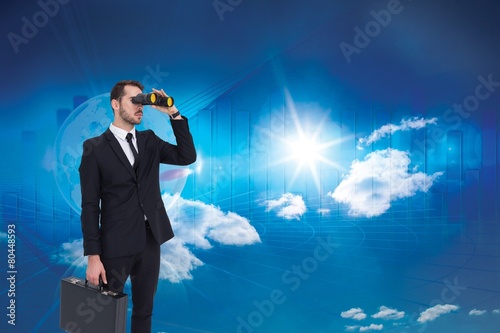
(251, 78)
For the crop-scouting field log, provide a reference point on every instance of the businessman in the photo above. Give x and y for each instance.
(123, 218)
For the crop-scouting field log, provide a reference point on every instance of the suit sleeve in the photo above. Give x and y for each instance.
(184, 153)
(90, 187)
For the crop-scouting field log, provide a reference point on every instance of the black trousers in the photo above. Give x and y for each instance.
(143, 269)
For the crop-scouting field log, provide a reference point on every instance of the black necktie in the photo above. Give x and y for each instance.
(136, 155)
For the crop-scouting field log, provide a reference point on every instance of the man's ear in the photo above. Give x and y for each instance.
(115, 105)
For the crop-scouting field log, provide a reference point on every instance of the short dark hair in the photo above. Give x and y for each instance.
(117, 91)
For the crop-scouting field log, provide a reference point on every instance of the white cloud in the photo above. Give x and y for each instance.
(351, 328)
(289, 206)
(377, 181)
(354, 313)
(496, 311)
(372, 327)
(435, 312)
(323, 211)
(476, 312)
(195, 222)
(195, 225)
(71, 253)
(414, 123)
(177, 261)
(388, 314)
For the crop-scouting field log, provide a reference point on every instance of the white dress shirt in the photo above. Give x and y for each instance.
(121, 136)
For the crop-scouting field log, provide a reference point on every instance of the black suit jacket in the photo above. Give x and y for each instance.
(115, 199)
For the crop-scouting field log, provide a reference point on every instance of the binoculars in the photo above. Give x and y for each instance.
(153, 99)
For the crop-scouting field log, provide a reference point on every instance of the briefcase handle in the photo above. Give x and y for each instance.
(99, 287)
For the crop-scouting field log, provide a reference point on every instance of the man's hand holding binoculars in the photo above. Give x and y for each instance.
(160, 101)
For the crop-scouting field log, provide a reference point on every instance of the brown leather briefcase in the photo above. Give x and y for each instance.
(90, 309)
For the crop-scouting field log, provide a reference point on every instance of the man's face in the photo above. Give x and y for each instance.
(128, 111)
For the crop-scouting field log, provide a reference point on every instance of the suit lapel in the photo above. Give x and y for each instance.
(113, 142)
(141, 144)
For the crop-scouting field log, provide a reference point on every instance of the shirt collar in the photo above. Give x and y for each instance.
(121, 133)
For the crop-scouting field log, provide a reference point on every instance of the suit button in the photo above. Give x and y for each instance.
(142, 205)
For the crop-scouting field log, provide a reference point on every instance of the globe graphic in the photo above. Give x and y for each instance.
(91, 119)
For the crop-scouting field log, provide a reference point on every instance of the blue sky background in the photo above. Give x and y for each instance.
(348, 153)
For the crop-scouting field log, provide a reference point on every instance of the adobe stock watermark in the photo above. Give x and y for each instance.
(223, 6)
(155, 76)
(93, 306)
(455, 115)
(264, 136)
(88, 310)
(373, 28)
(223, 177)
(293, 279)
(31, 26)
(11, 274)
(448, 295)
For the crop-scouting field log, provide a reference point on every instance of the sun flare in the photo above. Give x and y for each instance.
(304, 148)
